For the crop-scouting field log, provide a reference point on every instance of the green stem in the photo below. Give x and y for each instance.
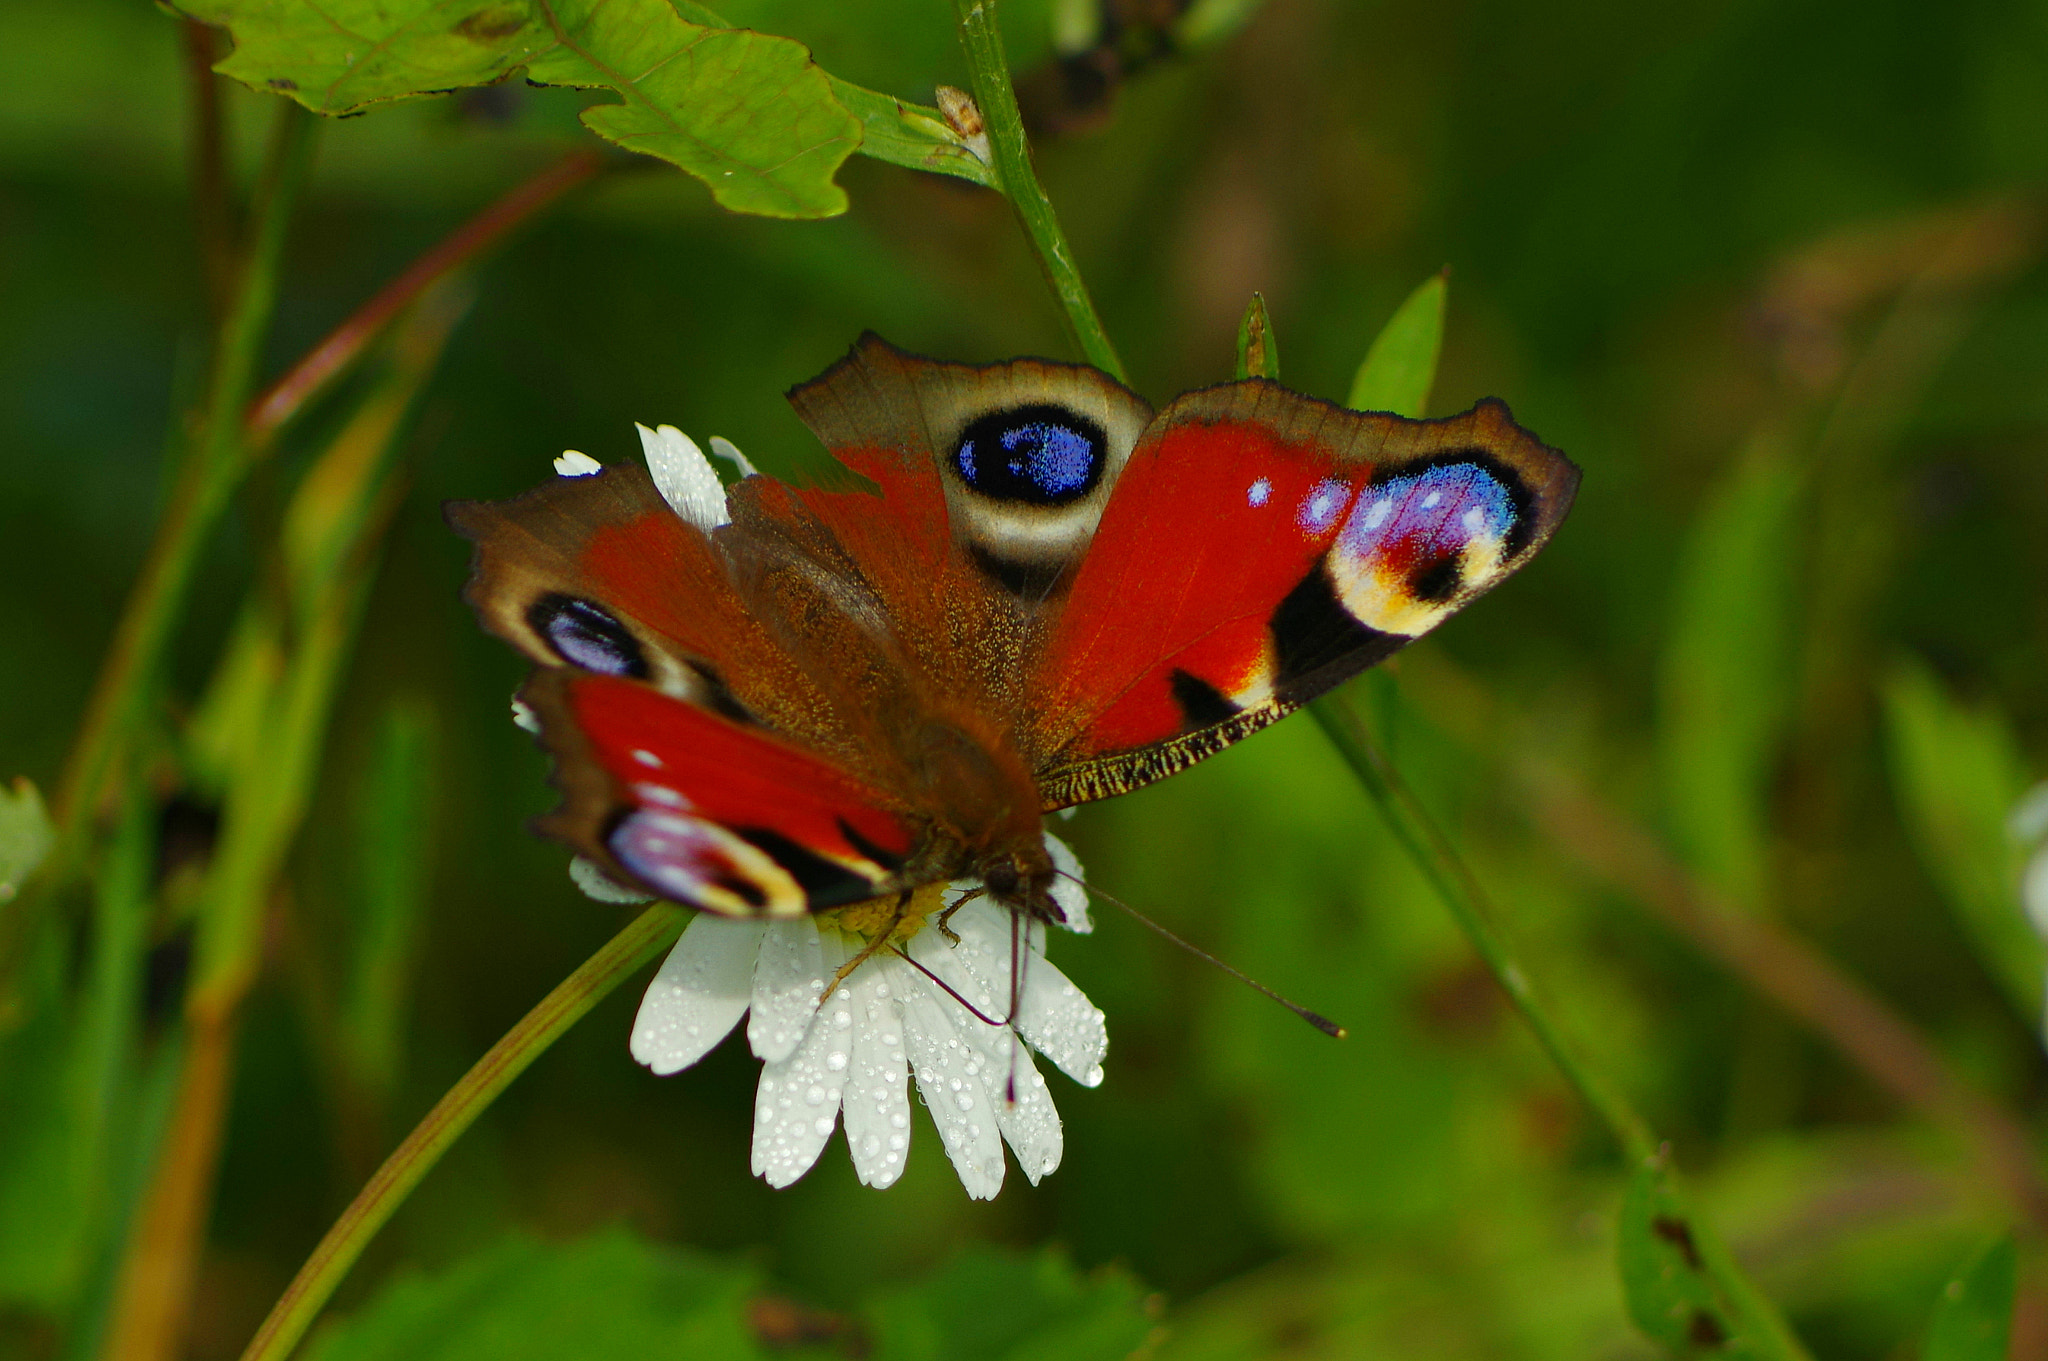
(206, 481)
(645, 937)
(1461, 892)
(983, 41)
(1440, 863)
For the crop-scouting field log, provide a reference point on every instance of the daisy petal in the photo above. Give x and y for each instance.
(1030, 1122)
(877, 1111)
(788, 976)
(730, 452)
(1053, 1015)
(684, 477)
(576, 463)
(949, 1075)
(698, 995)
(796, 1106)
(595, 883)
(1061, 1023)
(1069, 895)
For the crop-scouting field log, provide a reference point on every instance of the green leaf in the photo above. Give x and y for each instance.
(1957, 774)
(1400, 368)
(1258, 349)
(26, 835)
(988, 1305)
(748, 113)
(911, 135)
(610, 1295)
(1681, 1287)
(1973, 1317)
(1726, 673)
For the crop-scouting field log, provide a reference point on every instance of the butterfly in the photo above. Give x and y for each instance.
(773, 700)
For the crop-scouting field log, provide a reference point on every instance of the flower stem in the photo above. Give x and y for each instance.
(983, 42)
(1461, 892)
(645, 937)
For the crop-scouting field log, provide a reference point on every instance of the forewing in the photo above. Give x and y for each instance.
(1261, 547)
(600, 574)
(698, 808)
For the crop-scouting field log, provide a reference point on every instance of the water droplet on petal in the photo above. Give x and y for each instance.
(815, 1094)
(823, 1125)
(836, 1062)
(964, 1101)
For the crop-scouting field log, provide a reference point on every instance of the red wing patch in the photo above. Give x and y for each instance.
(707, 811)
(1261, 547)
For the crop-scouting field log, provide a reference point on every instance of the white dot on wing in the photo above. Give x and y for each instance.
(1259, 492)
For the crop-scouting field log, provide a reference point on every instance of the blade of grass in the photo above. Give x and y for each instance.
(205, 482)
(652, 932)
(326, 556)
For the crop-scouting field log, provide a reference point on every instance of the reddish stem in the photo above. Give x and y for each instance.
(291, 392)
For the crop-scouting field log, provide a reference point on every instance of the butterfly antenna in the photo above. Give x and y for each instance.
(1320, 1022)
(948, 989)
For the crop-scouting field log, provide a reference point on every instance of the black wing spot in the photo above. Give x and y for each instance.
(1201, 704)
(1025, 580)
(886, 859)
(1311, 629)
(586, 635)
(718, 696)
(824, 883)
(1439, 581)
(1039, 455)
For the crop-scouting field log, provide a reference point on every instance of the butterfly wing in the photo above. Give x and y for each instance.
(1261, 547)
(695, 754)
(702, 809)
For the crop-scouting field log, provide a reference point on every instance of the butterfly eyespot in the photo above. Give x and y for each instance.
(587, 636)
(1039, 455)
(1439, 581)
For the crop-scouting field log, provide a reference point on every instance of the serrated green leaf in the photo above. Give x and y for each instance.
(1258, 350)
(748, 113)
(1726, 674)
(611, 1295)
(1400, 367)
(988, 1305)
(1973, 1318)
(1957, 774)
(26, 835)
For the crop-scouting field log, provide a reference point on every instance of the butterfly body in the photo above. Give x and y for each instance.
(791, 699)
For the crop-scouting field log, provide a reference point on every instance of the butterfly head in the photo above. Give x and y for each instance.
(1021, 877)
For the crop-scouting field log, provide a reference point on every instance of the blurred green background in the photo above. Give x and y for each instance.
(1770, 273)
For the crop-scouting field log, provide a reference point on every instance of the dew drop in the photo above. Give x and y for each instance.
(836, 1061)
(1093, 1077)
(964, 1101)
(823, 1125)
(815, 1095)
(900, 1120)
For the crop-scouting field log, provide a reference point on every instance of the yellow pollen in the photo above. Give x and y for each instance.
(870, 917)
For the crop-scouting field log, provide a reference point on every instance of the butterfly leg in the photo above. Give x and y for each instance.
(881, 939)
(952, 936)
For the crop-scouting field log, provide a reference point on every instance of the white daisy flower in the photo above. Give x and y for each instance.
(849, 1055)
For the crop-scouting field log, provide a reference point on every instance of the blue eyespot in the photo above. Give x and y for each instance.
(587, 636)
(1039, 455)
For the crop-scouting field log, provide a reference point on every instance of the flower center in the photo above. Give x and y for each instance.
(869, 918)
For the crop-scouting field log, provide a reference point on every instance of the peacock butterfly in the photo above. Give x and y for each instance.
(778, 700)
